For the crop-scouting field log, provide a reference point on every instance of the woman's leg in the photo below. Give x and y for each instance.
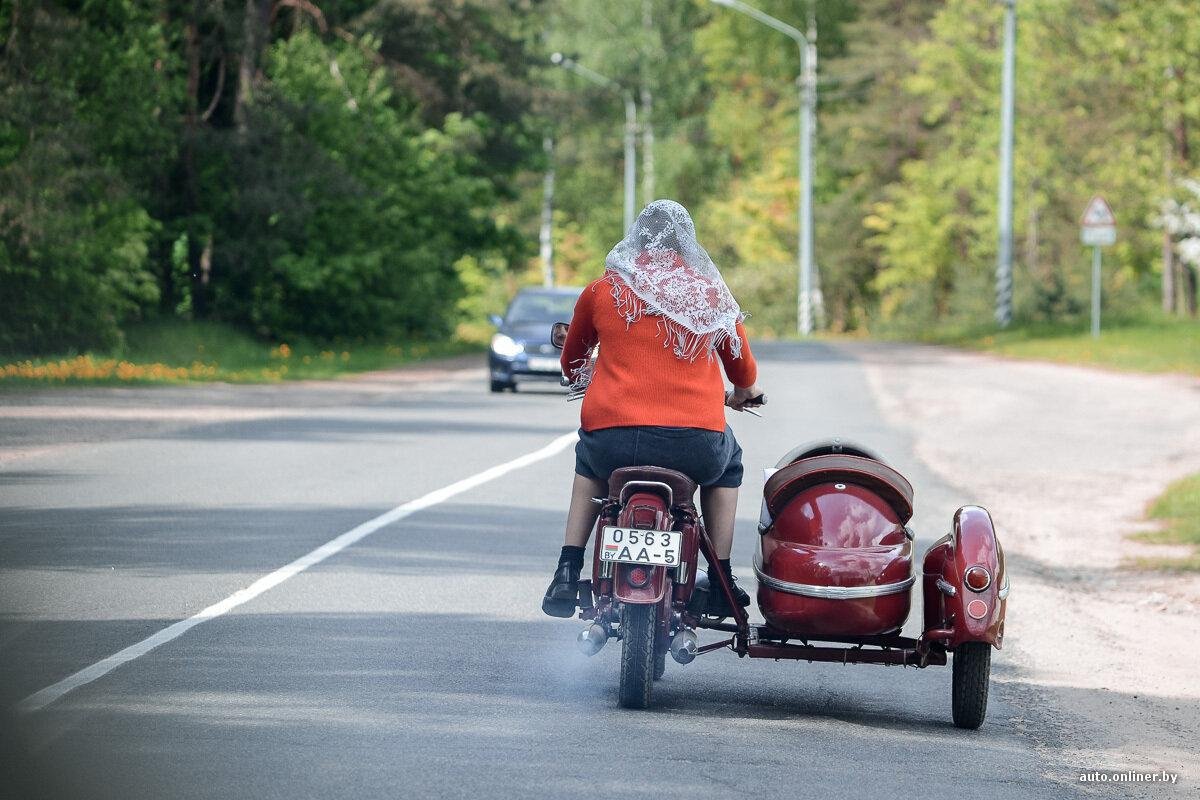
(719, 504)
(564, 586)
(581, 517)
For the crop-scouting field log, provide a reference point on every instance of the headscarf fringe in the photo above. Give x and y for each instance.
(685, 344)
(582, 370)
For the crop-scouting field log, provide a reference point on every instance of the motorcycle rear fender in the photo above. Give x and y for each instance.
(642, 510)
(973, 542)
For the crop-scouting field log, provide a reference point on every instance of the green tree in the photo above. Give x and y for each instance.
(81, 93)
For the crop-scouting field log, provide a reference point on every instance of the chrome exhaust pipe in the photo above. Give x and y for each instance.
(684, 646)
(592, 638)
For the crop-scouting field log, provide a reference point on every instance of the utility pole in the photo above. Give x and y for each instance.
(647, 146)
(630, 126)
(807, 83)
(647, 111)
(1004, 279)
(809, 301)
(1169, 290)
(630, 158)
(546, 235)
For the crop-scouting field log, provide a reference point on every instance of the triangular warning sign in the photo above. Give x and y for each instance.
(1098, 214)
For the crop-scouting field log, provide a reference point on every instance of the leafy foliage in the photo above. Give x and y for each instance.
(341, 169)
(294, 173)
(74, 235)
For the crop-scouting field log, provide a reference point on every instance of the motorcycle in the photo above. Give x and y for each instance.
(835, 569)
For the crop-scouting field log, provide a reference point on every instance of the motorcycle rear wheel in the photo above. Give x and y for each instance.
(972, 670)
(638, 627)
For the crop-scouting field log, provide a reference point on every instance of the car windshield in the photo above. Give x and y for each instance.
(541, 307)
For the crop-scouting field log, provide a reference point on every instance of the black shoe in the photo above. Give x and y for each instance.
(718, 606)
(563, 592)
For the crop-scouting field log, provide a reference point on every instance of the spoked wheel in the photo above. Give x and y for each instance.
(972, 672)
(637, 654)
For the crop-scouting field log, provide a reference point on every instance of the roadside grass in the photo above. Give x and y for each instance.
(1149, 344)
(190, 352)
(1178, 508)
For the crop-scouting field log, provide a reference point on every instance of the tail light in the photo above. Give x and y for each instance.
(638, 577)
(977, 609)
(977, 578)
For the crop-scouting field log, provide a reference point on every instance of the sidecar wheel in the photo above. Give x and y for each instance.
(637, 654)
(972, 672)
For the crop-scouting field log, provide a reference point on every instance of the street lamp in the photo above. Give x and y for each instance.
(807, 82)
(1004, 251)
(630, 124)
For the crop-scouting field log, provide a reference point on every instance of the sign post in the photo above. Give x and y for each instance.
(1098, 228)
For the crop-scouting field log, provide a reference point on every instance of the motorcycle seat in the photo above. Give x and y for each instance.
(682, 487)
(886, 482)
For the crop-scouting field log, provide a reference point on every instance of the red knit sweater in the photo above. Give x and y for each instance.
(638, 381)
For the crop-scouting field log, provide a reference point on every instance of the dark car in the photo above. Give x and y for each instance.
(521, 349)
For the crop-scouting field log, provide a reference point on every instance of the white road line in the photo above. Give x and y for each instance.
(40, 699)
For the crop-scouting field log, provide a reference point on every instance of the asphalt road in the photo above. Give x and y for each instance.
(416, 661)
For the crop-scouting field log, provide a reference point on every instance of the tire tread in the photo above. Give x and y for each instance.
(972, 670)
(637, 655)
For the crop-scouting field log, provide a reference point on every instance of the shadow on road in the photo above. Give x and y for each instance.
(304, 704)
(398, 699)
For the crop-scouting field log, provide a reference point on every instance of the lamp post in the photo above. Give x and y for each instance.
(807, 82)
(546, 234)
(1004, 250)
(630, 125)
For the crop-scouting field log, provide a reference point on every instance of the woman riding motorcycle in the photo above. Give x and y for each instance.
(655, 394)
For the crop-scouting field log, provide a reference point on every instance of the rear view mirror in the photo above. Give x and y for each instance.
(558, 334)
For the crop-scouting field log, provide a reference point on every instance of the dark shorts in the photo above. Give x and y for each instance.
(707, 457)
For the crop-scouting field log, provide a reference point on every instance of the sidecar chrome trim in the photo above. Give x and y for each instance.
(1003, 593)
(831, 592)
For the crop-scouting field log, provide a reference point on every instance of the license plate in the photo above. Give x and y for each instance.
(543, 364)
(637, 546)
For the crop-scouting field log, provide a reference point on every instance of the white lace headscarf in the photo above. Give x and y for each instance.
(660, 269)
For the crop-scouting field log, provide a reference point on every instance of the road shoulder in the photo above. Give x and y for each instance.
(1067, 458)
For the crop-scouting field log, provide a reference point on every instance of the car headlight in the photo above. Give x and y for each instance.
(505, 346)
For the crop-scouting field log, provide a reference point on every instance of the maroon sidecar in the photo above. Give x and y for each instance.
(836, 554)
(834, 567)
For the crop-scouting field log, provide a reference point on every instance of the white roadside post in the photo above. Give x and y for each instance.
(1098, 228)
